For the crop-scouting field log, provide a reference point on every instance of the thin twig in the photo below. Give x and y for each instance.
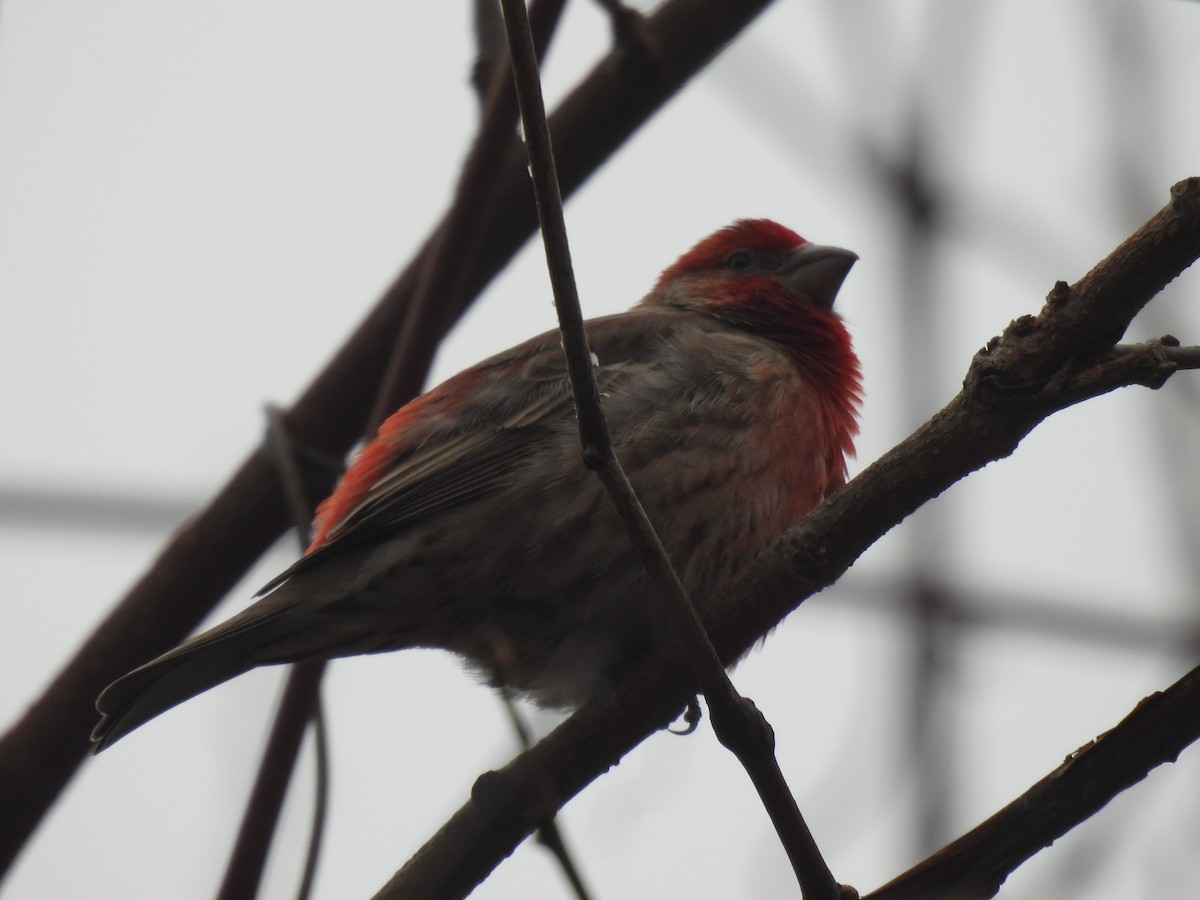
(299, 704)
(453, 250)
(244, 870)
(490, 48)
(738, 723)
(473, 205)
(320, 813)
(548, 834)
(444, 277)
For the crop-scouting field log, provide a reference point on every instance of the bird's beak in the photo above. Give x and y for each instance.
(817, 272)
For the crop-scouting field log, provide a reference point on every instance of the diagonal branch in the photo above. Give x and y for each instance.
(998, 406)
(975, 865)
(443, 287)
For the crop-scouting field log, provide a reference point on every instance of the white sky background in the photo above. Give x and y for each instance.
(197, 204)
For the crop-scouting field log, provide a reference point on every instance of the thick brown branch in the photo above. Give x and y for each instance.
(998, 406)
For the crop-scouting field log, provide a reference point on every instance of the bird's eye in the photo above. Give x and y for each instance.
(738, 261)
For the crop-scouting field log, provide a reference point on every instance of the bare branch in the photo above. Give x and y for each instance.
(454, 248)
(975, 865)
(205, 559)
(739, 724)
(299, 705)
(997, 407)
(443, 287)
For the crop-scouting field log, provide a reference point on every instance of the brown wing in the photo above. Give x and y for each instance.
(503, 409)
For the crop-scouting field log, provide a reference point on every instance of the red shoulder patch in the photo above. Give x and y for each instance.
(368, 467)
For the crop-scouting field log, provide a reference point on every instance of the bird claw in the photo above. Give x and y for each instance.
(691, 717)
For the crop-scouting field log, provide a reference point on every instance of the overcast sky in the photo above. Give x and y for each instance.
(200, 201)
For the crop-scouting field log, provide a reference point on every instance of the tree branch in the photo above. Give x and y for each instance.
(299, 704)
(208, 555)
(975, 865)
(999, 404)
(738, 723)
(452, 252)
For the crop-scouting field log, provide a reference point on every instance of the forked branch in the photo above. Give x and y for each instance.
(1038, 366)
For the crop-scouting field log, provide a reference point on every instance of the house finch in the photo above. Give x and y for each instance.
(470, 522)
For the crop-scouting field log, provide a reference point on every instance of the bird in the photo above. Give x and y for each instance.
(470, 522)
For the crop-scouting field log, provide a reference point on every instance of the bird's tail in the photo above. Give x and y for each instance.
(193, 667)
